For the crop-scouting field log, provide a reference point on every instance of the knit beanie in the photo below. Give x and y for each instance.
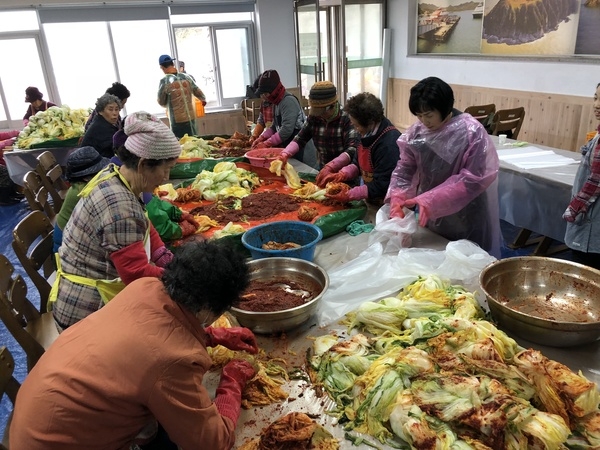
(148, 137)
(268, 81)
(322, 94)
(32, 94)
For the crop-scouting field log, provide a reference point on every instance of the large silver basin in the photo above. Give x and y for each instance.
(544, 300)
(293, 269)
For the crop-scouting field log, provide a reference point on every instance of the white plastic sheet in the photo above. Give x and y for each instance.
(385, 267)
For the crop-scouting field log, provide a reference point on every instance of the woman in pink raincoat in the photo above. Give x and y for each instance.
(448, 169)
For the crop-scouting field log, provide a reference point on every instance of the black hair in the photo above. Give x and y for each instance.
(431, 94)
(206, 275)
(131, 160)
(365, 108)
(119, 90)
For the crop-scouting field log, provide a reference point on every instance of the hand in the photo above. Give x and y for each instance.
(190, 219)
(239, 371)
(570, 215)
(396, 207)
(320, 180)
(258, 141)
(162, 256)
(235, 338)
(203, 102)
(187, 229)
(342, 197)
(334, 178)
(263, 144)
(283, 157)
(423, 212)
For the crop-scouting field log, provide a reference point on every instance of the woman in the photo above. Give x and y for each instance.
(122, 93)
(104, 125)
(33, 96)
(288, 116)
(581, 215)
(108, 241)
(376, 157)
(142, 359)
(328, 126)
(82, 165)
(448, 168)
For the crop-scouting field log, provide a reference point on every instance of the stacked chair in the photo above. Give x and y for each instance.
(34, 331)
(9, 386)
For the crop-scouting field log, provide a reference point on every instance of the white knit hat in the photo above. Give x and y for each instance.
(148, 137)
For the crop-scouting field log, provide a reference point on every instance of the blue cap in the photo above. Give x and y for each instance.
(163, 59)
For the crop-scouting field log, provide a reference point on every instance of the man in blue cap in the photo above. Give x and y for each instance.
(175, 92)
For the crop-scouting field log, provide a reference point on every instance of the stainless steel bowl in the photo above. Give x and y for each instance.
(544, 300)
(292, 269)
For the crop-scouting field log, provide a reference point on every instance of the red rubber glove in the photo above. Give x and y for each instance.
(132, 263)
(234, 338)
(190, 219)
(423, 212)
(228, 399)
(323, 173)
(334, 178)
(263, 144)
(259, 140)
(356, 193)
(187, 229)
(203, 102)
(283, 157)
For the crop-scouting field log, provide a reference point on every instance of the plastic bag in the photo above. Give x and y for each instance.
(373, 275)
(394, 233)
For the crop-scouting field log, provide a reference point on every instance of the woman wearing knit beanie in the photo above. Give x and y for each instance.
(375, 158)
(288, 116)
(327, 125)
(108, 241)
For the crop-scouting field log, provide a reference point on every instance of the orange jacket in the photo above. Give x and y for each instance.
(140, 358)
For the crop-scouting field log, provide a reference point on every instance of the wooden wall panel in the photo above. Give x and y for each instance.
(555, 120)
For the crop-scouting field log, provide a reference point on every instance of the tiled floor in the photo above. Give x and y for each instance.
(11, 215)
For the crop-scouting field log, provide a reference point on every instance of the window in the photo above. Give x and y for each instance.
(80, 50)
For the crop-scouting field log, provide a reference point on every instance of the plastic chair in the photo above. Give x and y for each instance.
(33, 244)
(508, 121)
(52, 176)
(37, 195)
(483, 113)
(34, 331)
(9, 386)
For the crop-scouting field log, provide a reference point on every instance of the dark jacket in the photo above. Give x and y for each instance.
(99, 135)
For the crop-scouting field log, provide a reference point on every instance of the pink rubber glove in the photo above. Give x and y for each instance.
(228, 399)
(283, 157)
(423, 212)
(323, 174)
(291, 149)
(274, 140)
(396, 205)
(235, 338)
(356, 193)
(263, 144)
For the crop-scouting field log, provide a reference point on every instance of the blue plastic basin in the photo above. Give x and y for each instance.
(303, 233)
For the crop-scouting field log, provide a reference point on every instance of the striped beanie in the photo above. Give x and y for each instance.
(322, 94)
(148, 137)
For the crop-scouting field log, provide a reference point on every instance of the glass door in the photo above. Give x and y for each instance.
(340, 41)
(308, 44)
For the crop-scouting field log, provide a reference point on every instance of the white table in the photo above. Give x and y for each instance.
(19, 162)
(535, 198)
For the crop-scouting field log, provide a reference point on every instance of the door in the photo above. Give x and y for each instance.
(340, 41)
